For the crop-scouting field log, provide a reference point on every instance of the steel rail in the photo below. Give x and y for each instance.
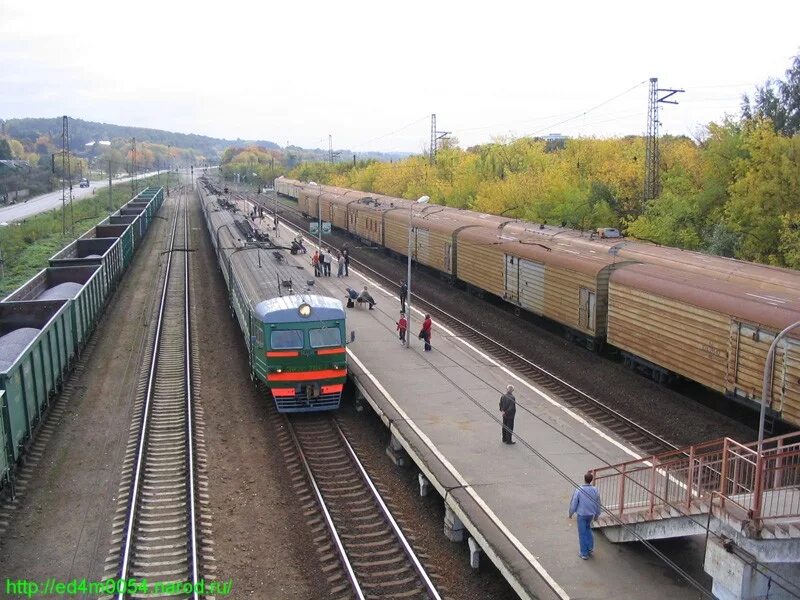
(189, 412)
(137, 474)
(423, 574)
(149, 413)
(351, 575)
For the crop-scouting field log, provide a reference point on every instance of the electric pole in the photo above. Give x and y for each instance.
(66, 178)
(332, 156)
(110, 203)
(651, 160)
(133, 167)
(435, 137)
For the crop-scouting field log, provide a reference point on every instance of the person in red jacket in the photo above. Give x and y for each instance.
(402, 326)
(425, 332)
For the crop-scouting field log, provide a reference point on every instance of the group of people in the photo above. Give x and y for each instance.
(322, 261)
(362, 298)
(585, 500)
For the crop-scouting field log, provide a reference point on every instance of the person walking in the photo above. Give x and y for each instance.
(508, 408)
(315, 262)
(425, 332)
(322, 263)
(586, 504)
(402, 326)
(339, 265)
(403, 293)
(346, 254)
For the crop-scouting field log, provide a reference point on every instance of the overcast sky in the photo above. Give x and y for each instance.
(371, 73)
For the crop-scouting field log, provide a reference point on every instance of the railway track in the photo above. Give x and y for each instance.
(640, 437)
(156, 530)
(364, 551)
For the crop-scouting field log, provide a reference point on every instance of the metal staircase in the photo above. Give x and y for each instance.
(721, 485)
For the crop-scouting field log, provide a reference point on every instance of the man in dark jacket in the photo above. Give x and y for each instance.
(508, 408)
(403, 294)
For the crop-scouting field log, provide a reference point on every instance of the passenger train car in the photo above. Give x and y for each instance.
(670, 312)
(295, 339)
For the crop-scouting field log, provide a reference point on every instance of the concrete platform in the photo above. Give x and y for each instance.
(442, 409)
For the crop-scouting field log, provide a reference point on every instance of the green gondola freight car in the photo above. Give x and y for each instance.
(36, 350)
(82, 285)
(103, 252)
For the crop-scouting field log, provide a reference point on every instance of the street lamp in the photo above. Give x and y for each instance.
(423, 200)
(766, 387)
(319, 220)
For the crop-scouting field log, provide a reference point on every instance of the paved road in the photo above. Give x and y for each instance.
(38, 204)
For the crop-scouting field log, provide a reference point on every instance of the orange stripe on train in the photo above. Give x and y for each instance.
(339, 350)
(306, 375)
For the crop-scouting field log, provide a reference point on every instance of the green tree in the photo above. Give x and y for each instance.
(765, 188)
(5, 150)
(777, 100)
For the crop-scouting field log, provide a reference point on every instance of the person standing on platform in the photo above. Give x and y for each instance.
(315, 262)
(403, 293)
(328, 259)
(425, 332)
(508, 408)
(323, 257)
(346, 255)
(402, 326)
(339, 265)
(586, 503)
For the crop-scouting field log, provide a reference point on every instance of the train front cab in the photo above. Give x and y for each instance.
(298, 351)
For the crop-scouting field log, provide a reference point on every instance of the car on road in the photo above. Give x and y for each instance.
(84, 182)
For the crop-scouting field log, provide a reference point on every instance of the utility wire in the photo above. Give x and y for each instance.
(588, 110)
(380, 137)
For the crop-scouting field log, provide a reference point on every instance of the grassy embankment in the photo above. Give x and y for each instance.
(28, 244)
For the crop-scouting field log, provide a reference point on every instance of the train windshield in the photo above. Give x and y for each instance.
(282, 339)
(320, 338)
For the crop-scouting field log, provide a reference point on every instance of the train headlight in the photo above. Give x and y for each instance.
(304, 310)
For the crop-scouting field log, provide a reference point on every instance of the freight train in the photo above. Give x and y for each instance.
(46, 322)
(669, 312)
(295, 340)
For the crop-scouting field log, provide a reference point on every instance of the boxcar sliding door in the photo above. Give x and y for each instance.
(587, 308)
(512, 279)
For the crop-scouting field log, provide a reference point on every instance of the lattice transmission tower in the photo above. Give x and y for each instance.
(332, 156)
(435, 137)
(651, 160)
(66, 178)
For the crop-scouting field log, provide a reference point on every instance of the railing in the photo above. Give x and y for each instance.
(718, 475)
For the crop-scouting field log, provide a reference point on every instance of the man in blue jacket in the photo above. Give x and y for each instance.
(586, 503)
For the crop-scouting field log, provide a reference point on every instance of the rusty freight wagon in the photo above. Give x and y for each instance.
(570, 288)
(710, 331)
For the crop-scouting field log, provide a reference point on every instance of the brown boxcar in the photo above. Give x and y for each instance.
(433, 239)
(289, 187)
(569, 287)
(710, 331)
